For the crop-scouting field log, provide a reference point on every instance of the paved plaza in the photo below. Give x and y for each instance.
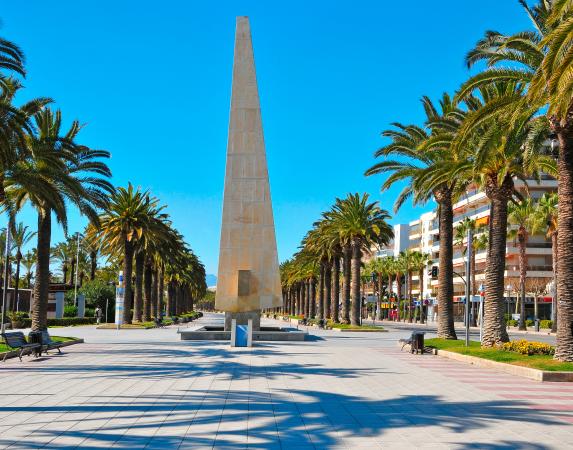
(147, 389)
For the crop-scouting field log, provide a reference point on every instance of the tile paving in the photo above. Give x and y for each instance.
(146, 389)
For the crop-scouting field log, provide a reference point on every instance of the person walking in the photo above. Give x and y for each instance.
(98, 315)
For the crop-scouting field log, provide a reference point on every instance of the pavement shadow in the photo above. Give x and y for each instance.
(311, 418)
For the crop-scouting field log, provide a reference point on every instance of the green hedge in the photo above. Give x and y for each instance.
(546, 324)
(65, 322)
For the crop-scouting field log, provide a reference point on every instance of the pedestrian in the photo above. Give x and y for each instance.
(98, 315)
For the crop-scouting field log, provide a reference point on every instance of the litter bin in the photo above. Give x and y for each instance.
(418, 342)
(536, 324)
(35, 337)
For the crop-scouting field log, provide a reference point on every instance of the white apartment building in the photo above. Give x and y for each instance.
(423, 235)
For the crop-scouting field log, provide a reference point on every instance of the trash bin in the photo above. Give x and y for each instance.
(418, 342)
(35, 337)
(536, 324)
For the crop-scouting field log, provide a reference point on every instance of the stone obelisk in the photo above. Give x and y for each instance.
(248, 277)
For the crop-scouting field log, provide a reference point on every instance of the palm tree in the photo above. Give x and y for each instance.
(419, 263)
(29, 261)
(428, 162)
(57, 170)
(359, 225)
(62, 253)
(546, 219)
(121, 225)
(479, 243)
(407, 261)
(522, 216)
(551, 86)
(505, 145)
(539, 60)
(20, 237)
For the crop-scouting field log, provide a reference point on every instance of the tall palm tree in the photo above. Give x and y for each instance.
(426, 159)
(29, 261)
(20, 237)
(419, 263)
(539, 60)
(121, 225)
(58, 170)
(360, 225)
(546, 220)
(407, 258)
(505, 146)
(522, 216)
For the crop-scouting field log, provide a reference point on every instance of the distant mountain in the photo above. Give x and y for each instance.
(211, 280)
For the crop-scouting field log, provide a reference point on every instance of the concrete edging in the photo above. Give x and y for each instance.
(353, 330)
(520, 371)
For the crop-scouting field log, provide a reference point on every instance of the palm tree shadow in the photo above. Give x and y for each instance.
(194, 418)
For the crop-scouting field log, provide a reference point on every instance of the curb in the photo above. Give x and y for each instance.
(353, 330)
(520, 371)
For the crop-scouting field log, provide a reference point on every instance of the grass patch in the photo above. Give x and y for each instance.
(5, 348)
(541, 362)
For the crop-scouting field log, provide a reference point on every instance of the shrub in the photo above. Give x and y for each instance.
(70, 311)
(524, 347)
(546, 324)
(512, 323)
(71, 321)
(529, 323)
(17, 315)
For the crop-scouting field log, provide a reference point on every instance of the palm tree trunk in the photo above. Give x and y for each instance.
(474, 287)
(421, 278)
(446, 329)
(494, 331)
(410, 302)
(399, 294)
(346, 267)
(522, 275)
(308, 299)
(127, 271)
(160, 289)
(390, 281)
(355, 282)
(555, 255)
(312, 307)
(380, 294)
(138, 300)
(564, 347)
(328, 289)
(42, 284)
(334, 313)
(320, 305)
(93, 265)
(73, 271)
(65, 273)
(154, 287)
(302, 293)
(148, 282)
(169, 304)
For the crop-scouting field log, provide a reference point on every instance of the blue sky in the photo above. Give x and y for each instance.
(152, 82)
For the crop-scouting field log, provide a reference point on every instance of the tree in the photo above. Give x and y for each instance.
(419, 262)
(20, 237)
(430, 165)
(120, 226)
(546, 215)
(29, 261)
(522, 216)
(360, 225)
(56, 170)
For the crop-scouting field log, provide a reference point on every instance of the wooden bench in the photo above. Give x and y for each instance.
(17, 342)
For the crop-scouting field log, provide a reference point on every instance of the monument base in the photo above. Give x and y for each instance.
(242, 318)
